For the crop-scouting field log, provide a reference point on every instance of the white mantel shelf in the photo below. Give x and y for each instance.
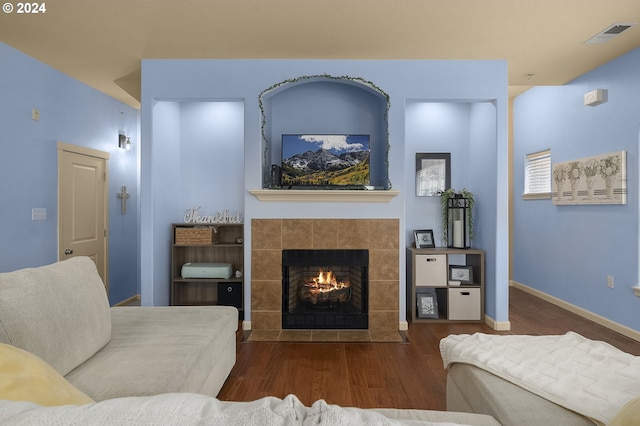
(325, 195)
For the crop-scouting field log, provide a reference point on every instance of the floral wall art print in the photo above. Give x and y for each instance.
(601, 179)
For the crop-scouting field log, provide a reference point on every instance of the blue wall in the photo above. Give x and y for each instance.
(211, 140)
(70, 112)
(479, 86)
(435, 127)
(568, 251)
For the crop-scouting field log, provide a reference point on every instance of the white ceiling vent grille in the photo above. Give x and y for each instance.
(609, 33)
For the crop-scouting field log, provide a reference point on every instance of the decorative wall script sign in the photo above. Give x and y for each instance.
(193, 216)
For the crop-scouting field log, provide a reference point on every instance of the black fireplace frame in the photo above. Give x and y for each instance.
(343, 317)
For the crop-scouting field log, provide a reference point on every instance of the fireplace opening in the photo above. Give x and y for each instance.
(325, 289)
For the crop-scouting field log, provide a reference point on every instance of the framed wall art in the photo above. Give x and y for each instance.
(433, 173)
(601, 179)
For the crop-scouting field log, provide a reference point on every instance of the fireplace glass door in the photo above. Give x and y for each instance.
(325, 289)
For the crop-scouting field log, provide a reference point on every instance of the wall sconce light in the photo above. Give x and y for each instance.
(124, 142)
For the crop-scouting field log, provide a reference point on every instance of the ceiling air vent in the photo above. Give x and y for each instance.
(609, 33)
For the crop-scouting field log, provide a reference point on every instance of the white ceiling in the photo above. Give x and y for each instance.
(102, 42)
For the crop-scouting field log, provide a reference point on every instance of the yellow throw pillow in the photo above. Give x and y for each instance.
(26, 377)
(629, 415)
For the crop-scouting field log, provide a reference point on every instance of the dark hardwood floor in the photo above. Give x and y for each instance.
(389, 375)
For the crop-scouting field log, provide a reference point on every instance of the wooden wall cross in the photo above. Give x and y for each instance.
(123, 199)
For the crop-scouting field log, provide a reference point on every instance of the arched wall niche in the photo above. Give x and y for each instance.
(324, 104)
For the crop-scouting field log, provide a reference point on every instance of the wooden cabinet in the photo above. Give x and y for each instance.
(197, 244)
(434, 295)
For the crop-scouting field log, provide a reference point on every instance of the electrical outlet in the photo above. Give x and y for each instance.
(35, 114)
(609, 281)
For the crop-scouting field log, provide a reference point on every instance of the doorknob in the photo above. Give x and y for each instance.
(68, 251)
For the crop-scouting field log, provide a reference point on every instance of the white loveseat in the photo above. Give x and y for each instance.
(61, 313)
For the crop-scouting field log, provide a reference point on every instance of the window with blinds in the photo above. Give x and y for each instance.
(537, 175)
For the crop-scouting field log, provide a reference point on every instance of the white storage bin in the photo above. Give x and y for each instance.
(431, 270)
(464, 303)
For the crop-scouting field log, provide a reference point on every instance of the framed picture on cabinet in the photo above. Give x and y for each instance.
(427, 305)
(461, 273)
(424, 238)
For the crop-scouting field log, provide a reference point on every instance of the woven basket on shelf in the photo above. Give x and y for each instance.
(200, 235)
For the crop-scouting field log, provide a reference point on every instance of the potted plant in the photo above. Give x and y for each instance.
(445, 196)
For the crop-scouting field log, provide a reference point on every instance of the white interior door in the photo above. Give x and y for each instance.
(83, 205)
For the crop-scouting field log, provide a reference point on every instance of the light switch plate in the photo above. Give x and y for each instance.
(39, 214)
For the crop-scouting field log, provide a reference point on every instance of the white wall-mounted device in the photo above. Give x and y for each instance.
(595, 97)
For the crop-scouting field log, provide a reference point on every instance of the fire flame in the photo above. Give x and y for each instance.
(325, 288)
(325, 282)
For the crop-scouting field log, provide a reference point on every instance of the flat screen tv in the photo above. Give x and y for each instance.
(325, 161)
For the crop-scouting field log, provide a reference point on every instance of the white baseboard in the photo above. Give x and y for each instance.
(135, 298)
(605, 322)
(246, 325)
(497, 325)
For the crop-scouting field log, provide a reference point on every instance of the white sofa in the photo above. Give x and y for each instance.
(192, 409)
(529, 380)
(61, 313)
(473, 390)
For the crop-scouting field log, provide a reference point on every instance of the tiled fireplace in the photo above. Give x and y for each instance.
(380, 237)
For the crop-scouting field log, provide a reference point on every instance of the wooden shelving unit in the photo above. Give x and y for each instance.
(226, 246)
(428, 273)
